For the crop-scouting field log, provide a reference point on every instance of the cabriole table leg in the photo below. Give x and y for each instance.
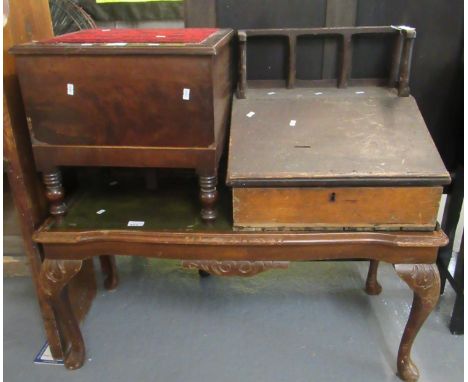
(372, 285)
(53, 279)
(109, 269)
(424, 280)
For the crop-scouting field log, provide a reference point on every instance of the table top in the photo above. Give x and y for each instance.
(101, 210)
(329, 136)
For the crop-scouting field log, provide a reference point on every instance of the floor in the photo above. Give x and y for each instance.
(312, 322)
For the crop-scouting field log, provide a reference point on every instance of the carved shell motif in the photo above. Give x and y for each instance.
(423, 279)
(234, 268)
(423, 276)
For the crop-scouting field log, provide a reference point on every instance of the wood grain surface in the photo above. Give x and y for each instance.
(326, 208)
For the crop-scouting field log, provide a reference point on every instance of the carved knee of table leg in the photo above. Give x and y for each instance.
(424, 280)
(109, 269)
(208, 197)
(53, 278)
(372, 285)
(54, 192)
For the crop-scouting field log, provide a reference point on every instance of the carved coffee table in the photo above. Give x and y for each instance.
(177, 232)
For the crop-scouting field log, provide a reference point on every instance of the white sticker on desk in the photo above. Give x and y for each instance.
(134, 223)
(250, 114)
(292, 123)
(186, 94)
(70, 89)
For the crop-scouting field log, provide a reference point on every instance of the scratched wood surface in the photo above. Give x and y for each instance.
(364, 208)
(341, 137)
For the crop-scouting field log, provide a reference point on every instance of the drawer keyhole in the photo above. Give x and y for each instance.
(332, 197)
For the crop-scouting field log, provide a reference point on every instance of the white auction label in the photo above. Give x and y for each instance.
(134, 223)
(100, 212)
(250, 114)
(70, 89)
(292, 123)
(186, 94)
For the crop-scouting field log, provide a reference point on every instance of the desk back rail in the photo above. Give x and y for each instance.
(401, 58)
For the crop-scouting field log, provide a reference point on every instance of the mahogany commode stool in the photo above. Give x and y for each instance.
(128, 98)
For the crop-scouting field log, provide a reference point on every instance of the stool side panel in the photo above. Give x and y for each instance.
(118, 100)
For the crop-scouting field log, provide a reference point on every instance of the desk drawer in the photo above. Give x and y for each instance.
(382, 208)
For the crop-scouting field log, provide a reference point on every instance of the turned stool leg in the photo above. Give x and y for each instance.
(54, 192)
(372, 285)
(109, 269)
(424, 280)
(53, 279)
(208, 197)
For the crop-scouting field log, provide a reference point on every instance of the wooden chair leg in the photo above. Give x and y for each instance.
(109, 269)
(424, 280)
(372, 285)
(53, 279)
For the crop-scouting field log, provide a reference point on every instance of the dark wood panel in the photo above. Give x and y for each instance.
(124, 100)
(111, 156)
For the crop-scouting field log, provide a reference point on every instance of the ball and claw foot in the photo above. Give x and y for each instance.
(407, 371)
(74, 359)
